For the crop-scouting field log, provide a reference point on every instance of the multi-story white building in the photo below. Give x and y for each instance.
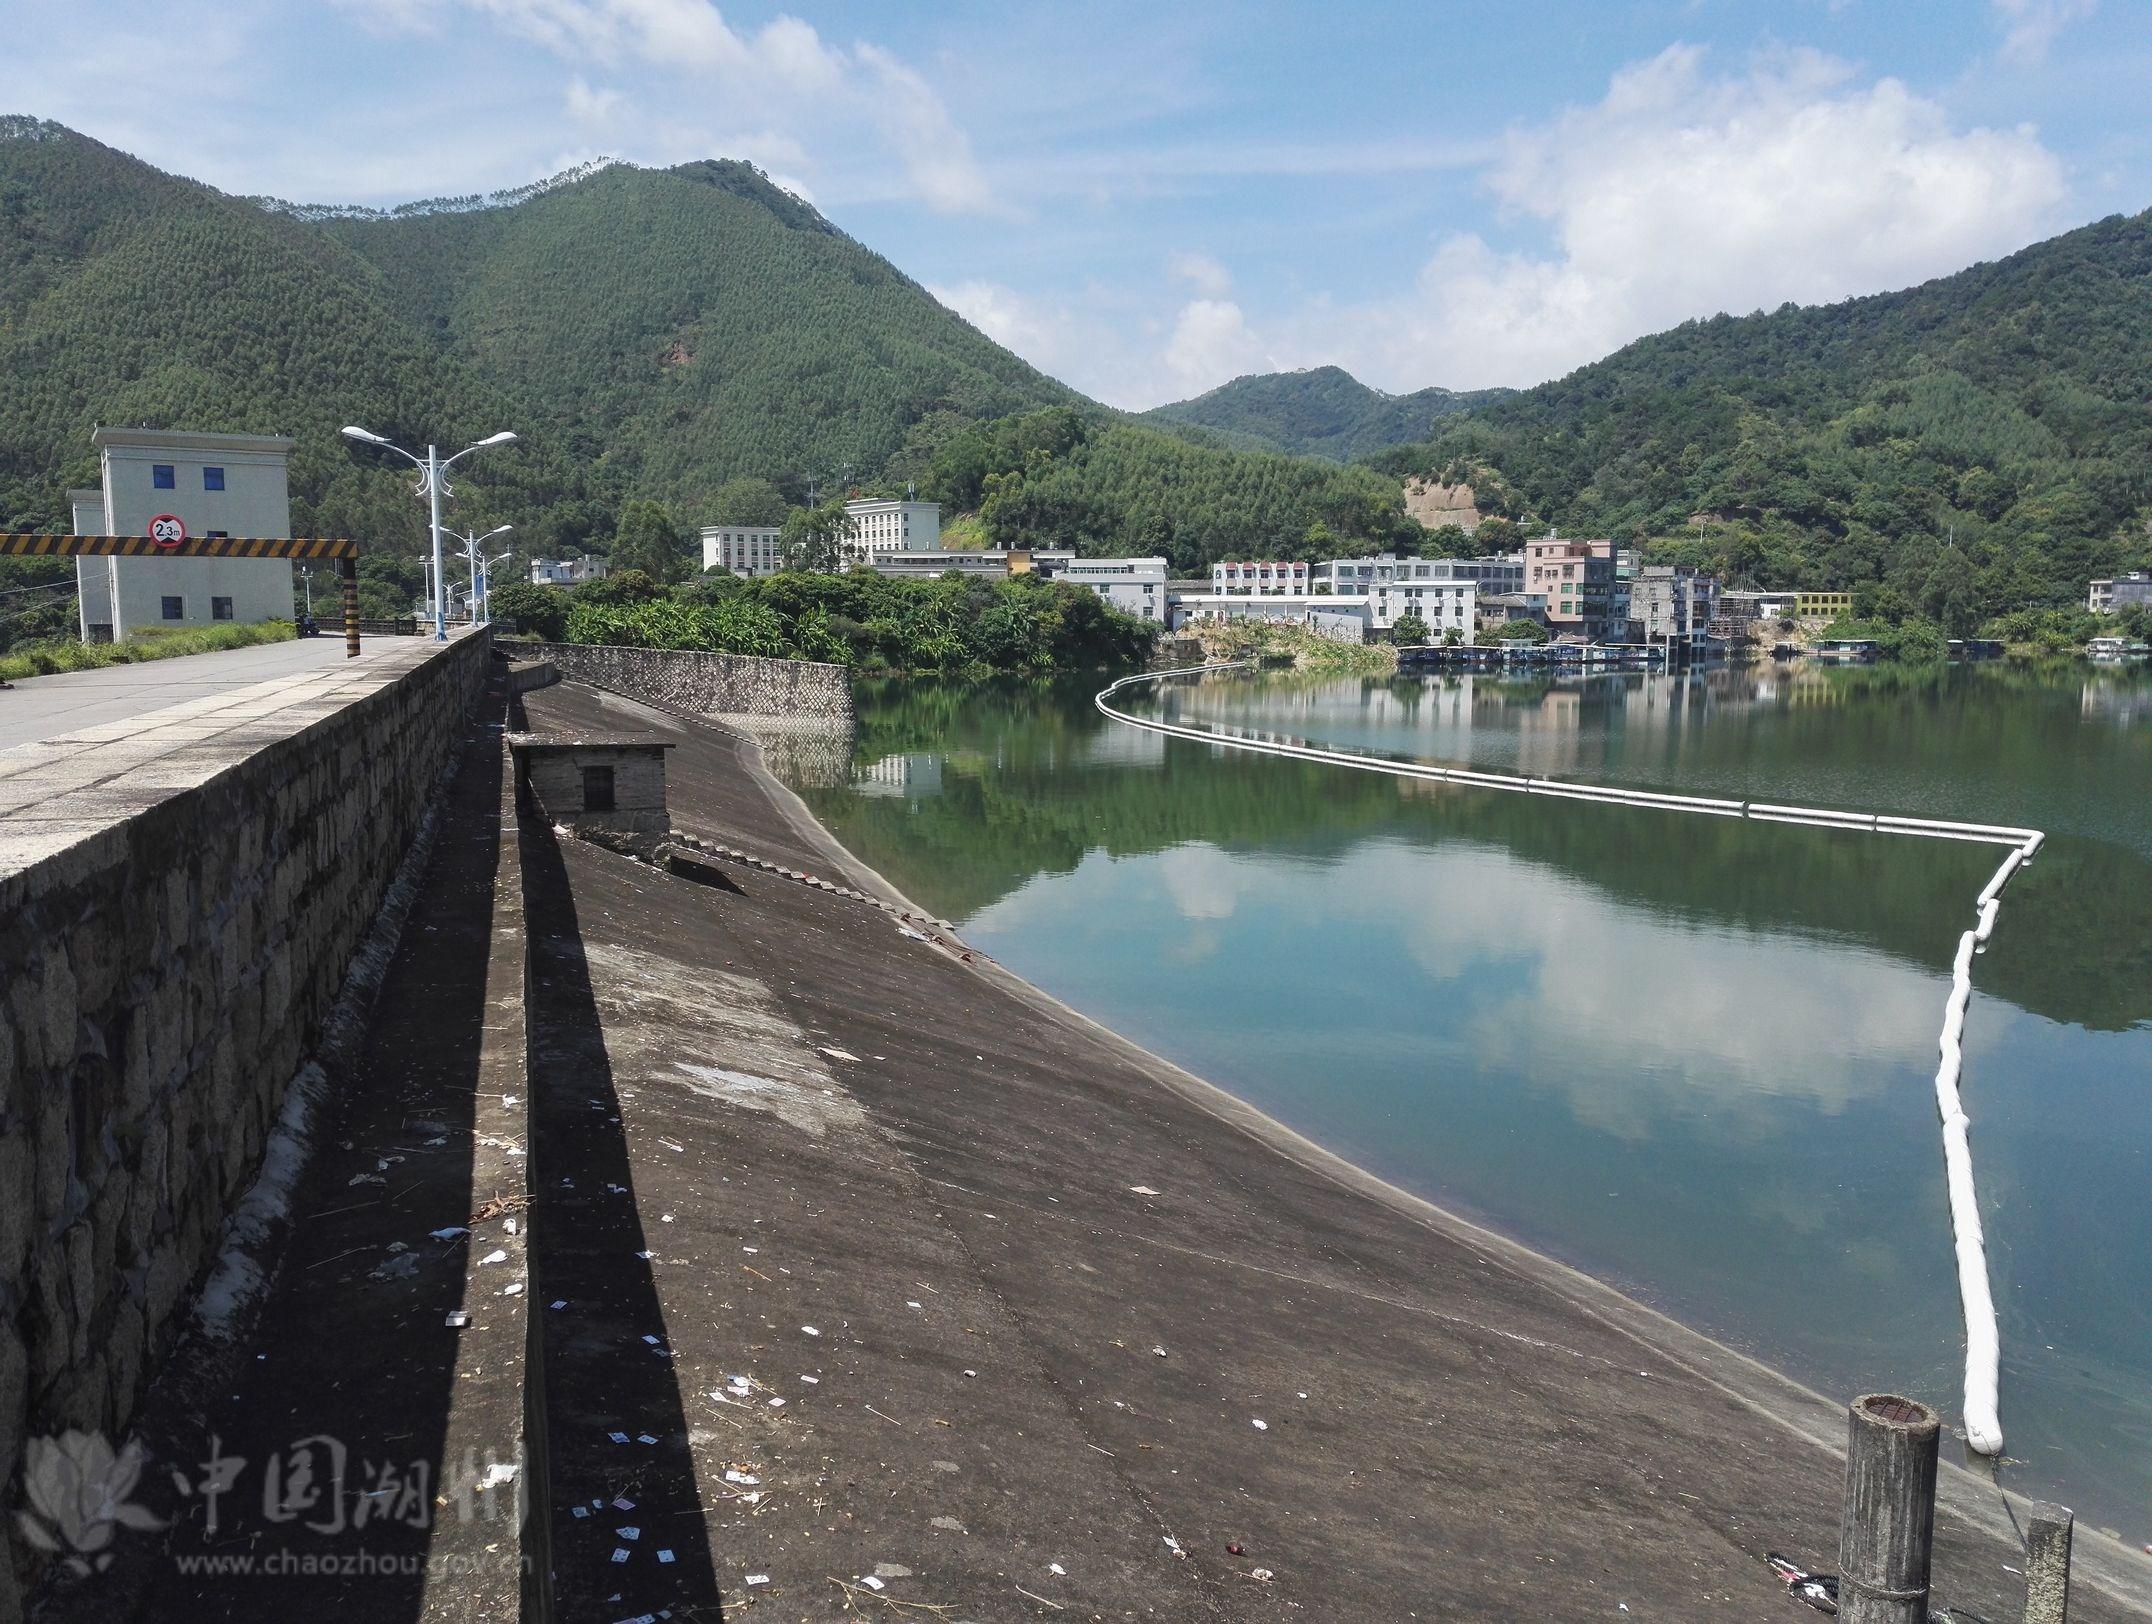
(216, 485)
(1500, 574)
(1446, 606)
(889, 526)
(744, 549)
(1135, 586)
(568, 571)
(1268, 578)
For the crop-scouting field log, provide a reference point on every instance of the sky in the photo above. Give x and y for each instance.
(1147, 201)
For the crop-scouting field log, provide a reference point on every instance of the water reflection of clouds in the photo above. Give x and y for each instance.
(1634, 1017)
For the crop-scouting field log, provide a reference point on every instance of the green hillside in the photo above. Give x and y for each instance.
(678, 328)
(1977, 444)
(1319, 412)
(649, 334)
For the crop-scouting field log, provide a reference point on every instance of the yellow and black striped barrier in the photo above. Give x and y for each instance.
(296, 547)
(345, 552)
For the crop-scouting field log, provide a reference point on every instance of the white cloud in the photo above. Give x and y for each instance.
(595, 108)
(1685, 194)
(1211, 342)
(782, 71)
(1036, 332)
(2030, 26)
(1201, 272)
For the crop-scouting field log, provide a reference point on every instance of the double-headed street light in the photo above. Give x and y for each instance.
(433, 485)
(471, 553)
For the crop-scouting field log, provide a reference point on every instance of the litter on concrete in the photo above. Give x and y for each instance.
(758, 1578)
(457, 1317)
(450, 1232)
(1261, 1425)
(493, 1257)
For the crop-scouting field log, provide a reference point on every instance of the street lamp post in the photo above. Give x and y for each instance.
(485, 580)
(433, 485)
(471, 552)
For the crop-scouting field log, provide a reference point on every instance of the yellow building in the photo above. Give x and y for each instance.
(1823, 605)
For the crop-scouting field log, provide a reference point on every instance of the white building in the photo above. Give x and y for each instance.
(744, 549)
(1446, 606)
(1264, 578)
(216, 485)
(1500, 574)
(567, 571)
(890, 526)
(1135, 586)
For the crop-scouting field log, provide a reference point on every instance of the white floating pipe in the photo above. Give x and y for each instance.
(1983, 1340)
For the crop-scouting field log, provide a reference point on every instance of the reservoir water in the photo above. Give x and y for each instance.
(1691, 1056)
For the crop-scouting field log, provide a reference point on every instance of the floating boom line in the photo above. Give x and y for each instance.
(1983, 1340)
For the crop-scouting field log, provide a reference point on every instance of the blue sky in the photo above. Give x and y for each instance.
(1147, 200)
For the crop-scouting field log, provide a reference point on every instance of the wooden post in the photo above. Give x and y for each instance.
(2047, 1564)
(1885, 1538)
(348, 568)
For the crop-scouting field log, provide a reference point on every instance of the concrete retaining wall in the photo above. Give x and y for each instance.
(164, 972)
(694, 683)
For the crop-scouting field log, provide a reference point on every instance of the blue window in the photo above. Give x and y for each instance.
(212, 479)
(160, 475)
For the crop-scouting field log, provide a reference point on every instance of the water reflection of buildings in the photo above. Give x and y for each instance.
(907, 777)
(2115, 697)
(1537, 724)
(1122, 747)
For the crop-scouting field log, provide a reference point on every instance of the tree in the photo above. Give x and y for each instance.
(537, 611)
(649, 540)
(1521, 631)
(1409, 629)
(814, 539)
(747, 501)
(1496, 536)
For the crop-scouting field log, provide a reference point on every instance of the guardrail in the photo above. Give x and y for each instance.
(1983, 1340)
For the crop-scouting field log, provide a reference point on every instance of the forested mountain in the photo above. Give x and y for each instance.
(649, 334)
(1318, 412)
(1977, 444)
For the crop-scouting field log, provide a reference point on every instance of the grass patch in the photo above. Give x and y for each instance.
(44, 659)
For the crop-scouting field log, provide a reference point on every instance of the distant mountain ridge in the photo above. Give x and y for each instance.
(1318, 412)
(1976, 445)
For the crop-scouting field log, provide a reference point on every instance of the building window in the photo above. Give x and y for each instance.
(212, 479)
(220, 608)
(174, 609)
(597, 789)
(161, 476)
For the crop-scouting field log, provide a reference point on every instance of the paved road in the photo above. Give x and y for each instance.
(48, 707)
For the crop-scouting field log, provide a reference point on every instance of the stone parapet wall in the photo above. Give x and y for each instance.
(179, 902)
(694, 683)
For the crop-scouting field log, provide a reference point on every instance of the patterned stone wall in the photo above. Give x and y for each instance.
(693, 683)
(161, 981)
